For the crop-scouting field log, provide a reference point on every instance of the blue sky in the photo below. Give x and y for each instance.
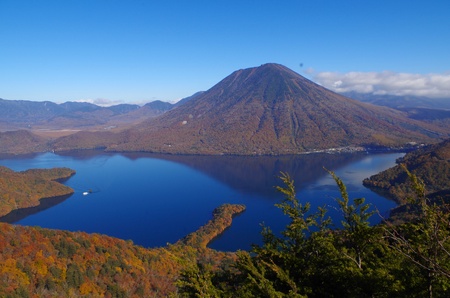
(140, 51)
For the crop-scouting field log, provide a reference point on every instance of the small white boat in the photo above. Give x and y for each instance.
(85, 193)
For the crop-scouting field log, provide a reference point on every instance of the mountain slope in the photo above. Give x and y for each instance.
(186, 99)
(21, 141)
(272, 110)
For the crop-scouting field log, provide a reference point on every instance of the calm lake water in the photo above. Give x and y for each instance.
(157, 199)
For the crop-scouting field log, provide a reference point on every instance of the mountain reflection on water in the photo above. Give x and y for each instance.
(154, 199)
(260, 174)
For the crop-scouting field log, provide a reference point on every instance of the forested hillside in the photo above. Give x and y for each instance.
(39, 262)
(431, 164)
(21, 141)
(36, 262)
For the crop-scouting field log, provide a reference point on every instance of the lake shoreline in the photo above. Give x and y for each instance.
(332, 150)
(44, 203)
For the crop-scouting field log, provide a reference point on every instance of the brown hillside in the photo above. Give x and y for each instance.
(85, 140)
(272, 110)
(21, 141)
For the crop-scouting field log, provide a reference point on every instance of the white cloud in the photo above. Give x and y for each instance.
(103, 102)
(84, 100)
(386, 82)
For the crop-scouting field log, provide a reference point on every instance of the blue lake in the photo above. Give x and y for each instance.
(157, 199)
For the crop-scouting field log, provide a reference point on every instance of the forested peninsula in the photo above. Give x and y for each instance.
(222, 219)
(431, 164)
(25, 189)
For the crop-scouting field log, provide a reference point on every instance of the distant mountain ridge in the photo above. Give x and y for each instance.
(272, 110)
(401, 102)
(431, 110)
(23, 114)
(16, 110)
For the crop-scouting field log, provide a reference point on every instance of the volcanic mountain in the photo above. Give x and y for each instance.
(271, 110)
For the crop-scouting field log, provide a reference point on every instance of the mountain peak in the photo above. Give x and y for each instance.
(269, 69)
(274, 66)
(271, 109)
(269, 82)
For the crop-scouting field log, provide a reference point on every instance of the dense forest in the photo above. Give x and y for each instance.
(36, 262)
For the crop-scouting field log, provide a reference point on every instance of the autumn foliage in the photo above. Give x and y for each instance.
(36, 262)
(25, 189)
(222, 218)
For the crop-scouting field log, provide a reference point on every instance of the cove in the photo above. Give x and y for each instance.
(158, 199)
